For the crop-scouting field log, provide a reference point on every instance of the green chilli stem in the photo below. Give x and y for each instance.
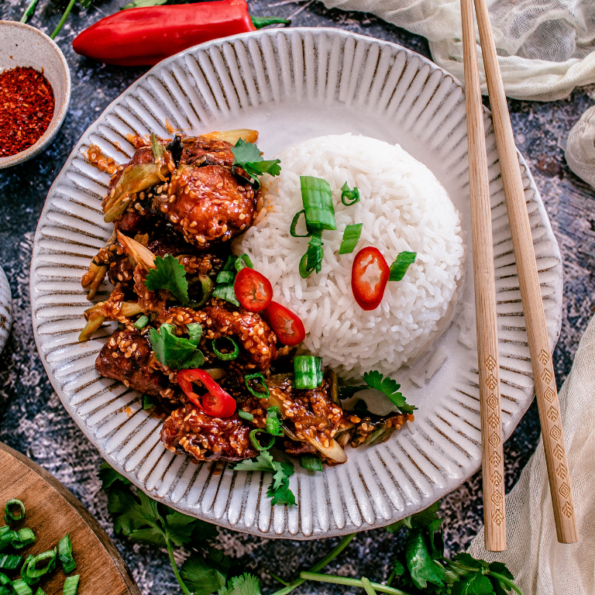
(318, 566)
(63, 19)
(170, 552)
(29, 11)
(351, 582)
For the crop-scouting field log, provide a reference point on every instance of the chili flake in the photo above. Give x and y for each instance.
(26, 109)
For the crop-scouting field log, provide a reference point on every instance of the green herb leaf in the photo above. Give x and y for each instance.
(179, 527)
(279, 490)
(226, 292)
(390, 388)
(401, 264)
(169, 274)
(248, 157)
(246, 584)
(476, 584)
(206, 575)
(311, 463)
(109, 476)
(175, 352)
(419, 562)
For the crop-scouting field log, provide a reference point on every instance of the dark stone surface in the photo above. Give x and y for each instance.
(32, 419)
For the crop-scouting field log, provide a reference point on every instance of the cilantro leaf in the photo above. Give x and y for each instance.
(390, 388)
(175, 352)
(476, 584)
(168, 274)
(109, 476)
(179, 527)
(419, 562)
(419, 520)
(248, 157)
(278, 490)
(401, 265)
(246, 584)
(202, 576)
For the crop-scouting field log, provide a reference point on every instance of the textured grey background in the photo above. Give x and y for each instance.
(32, 419)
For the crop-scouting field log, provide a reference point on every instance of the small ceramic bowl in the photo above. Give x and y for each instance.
(22, 45)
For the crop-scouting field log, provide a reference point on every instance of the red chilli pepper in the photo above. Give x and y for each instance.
(216, 402)
(253, 290)
(369, 277)
(145, 36)
(287, 326)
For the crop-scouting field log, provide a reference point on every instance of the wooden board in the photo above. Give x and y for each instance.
(52, 512)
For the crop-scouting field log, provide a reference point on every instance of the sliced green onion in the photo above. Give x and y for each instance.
(149, 401)
(318, 203)
(311, 463)
(256, 444)
(20, 587)
(307, 371)
(11, 515)
(71, 585)
(10, 561)
(31, 574)
(242, 262)
(7, 536)
(401, 264)
(194, 329)
(348, 196)
(245, 415)
(351, 237)
(4, 580)
(227, 293)
(65, 554)
(273, 422)
(141, 323)
(206, 287)
(157, 147)
(312, 260)
(259, 394)
(294, 223)
(6, 590)
(39, 591)
(23, 538)
(226, 356)
(226, 277)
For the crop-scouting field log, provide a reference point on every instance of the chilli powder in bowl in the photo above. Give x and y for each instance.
(403, 207)
(26, 109)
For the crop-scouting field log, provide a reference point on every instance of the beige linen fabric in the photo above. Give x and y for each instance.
(540, 564)
(580, 148)
(546, 47)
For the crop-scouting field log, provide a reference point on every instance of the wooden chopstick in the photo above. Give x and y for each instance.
(524, 253)
(485, 296)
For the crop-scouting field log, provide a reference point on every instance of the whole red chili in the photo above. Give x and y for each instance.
(26, 109)
(145, 36)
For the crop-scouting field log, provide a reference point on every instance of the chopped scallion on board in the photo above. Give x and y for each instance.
(65, 554)
(14, 511)
(71, 585)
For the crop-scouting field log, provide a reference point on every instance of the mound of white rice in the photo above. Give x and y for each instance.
(402, 207)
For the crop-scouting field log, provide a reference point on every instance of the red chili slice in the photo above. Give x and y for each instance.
(369, 277)
(216, 402)
(253, 290)
(287, 325)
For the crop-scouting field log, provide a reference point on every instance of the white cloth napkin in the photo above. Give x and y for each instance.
(540, 564)
(545, 47)
(580, 148)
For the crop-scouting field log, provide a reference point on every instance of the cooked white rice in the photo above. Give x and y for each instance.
(402, 207)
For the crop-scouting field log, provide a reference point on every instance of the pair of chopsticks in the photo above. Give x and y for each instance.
(485, 292)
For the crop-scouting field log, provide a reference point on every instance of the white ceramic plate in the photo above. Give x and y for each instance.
(5, 309)
(292, 85)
